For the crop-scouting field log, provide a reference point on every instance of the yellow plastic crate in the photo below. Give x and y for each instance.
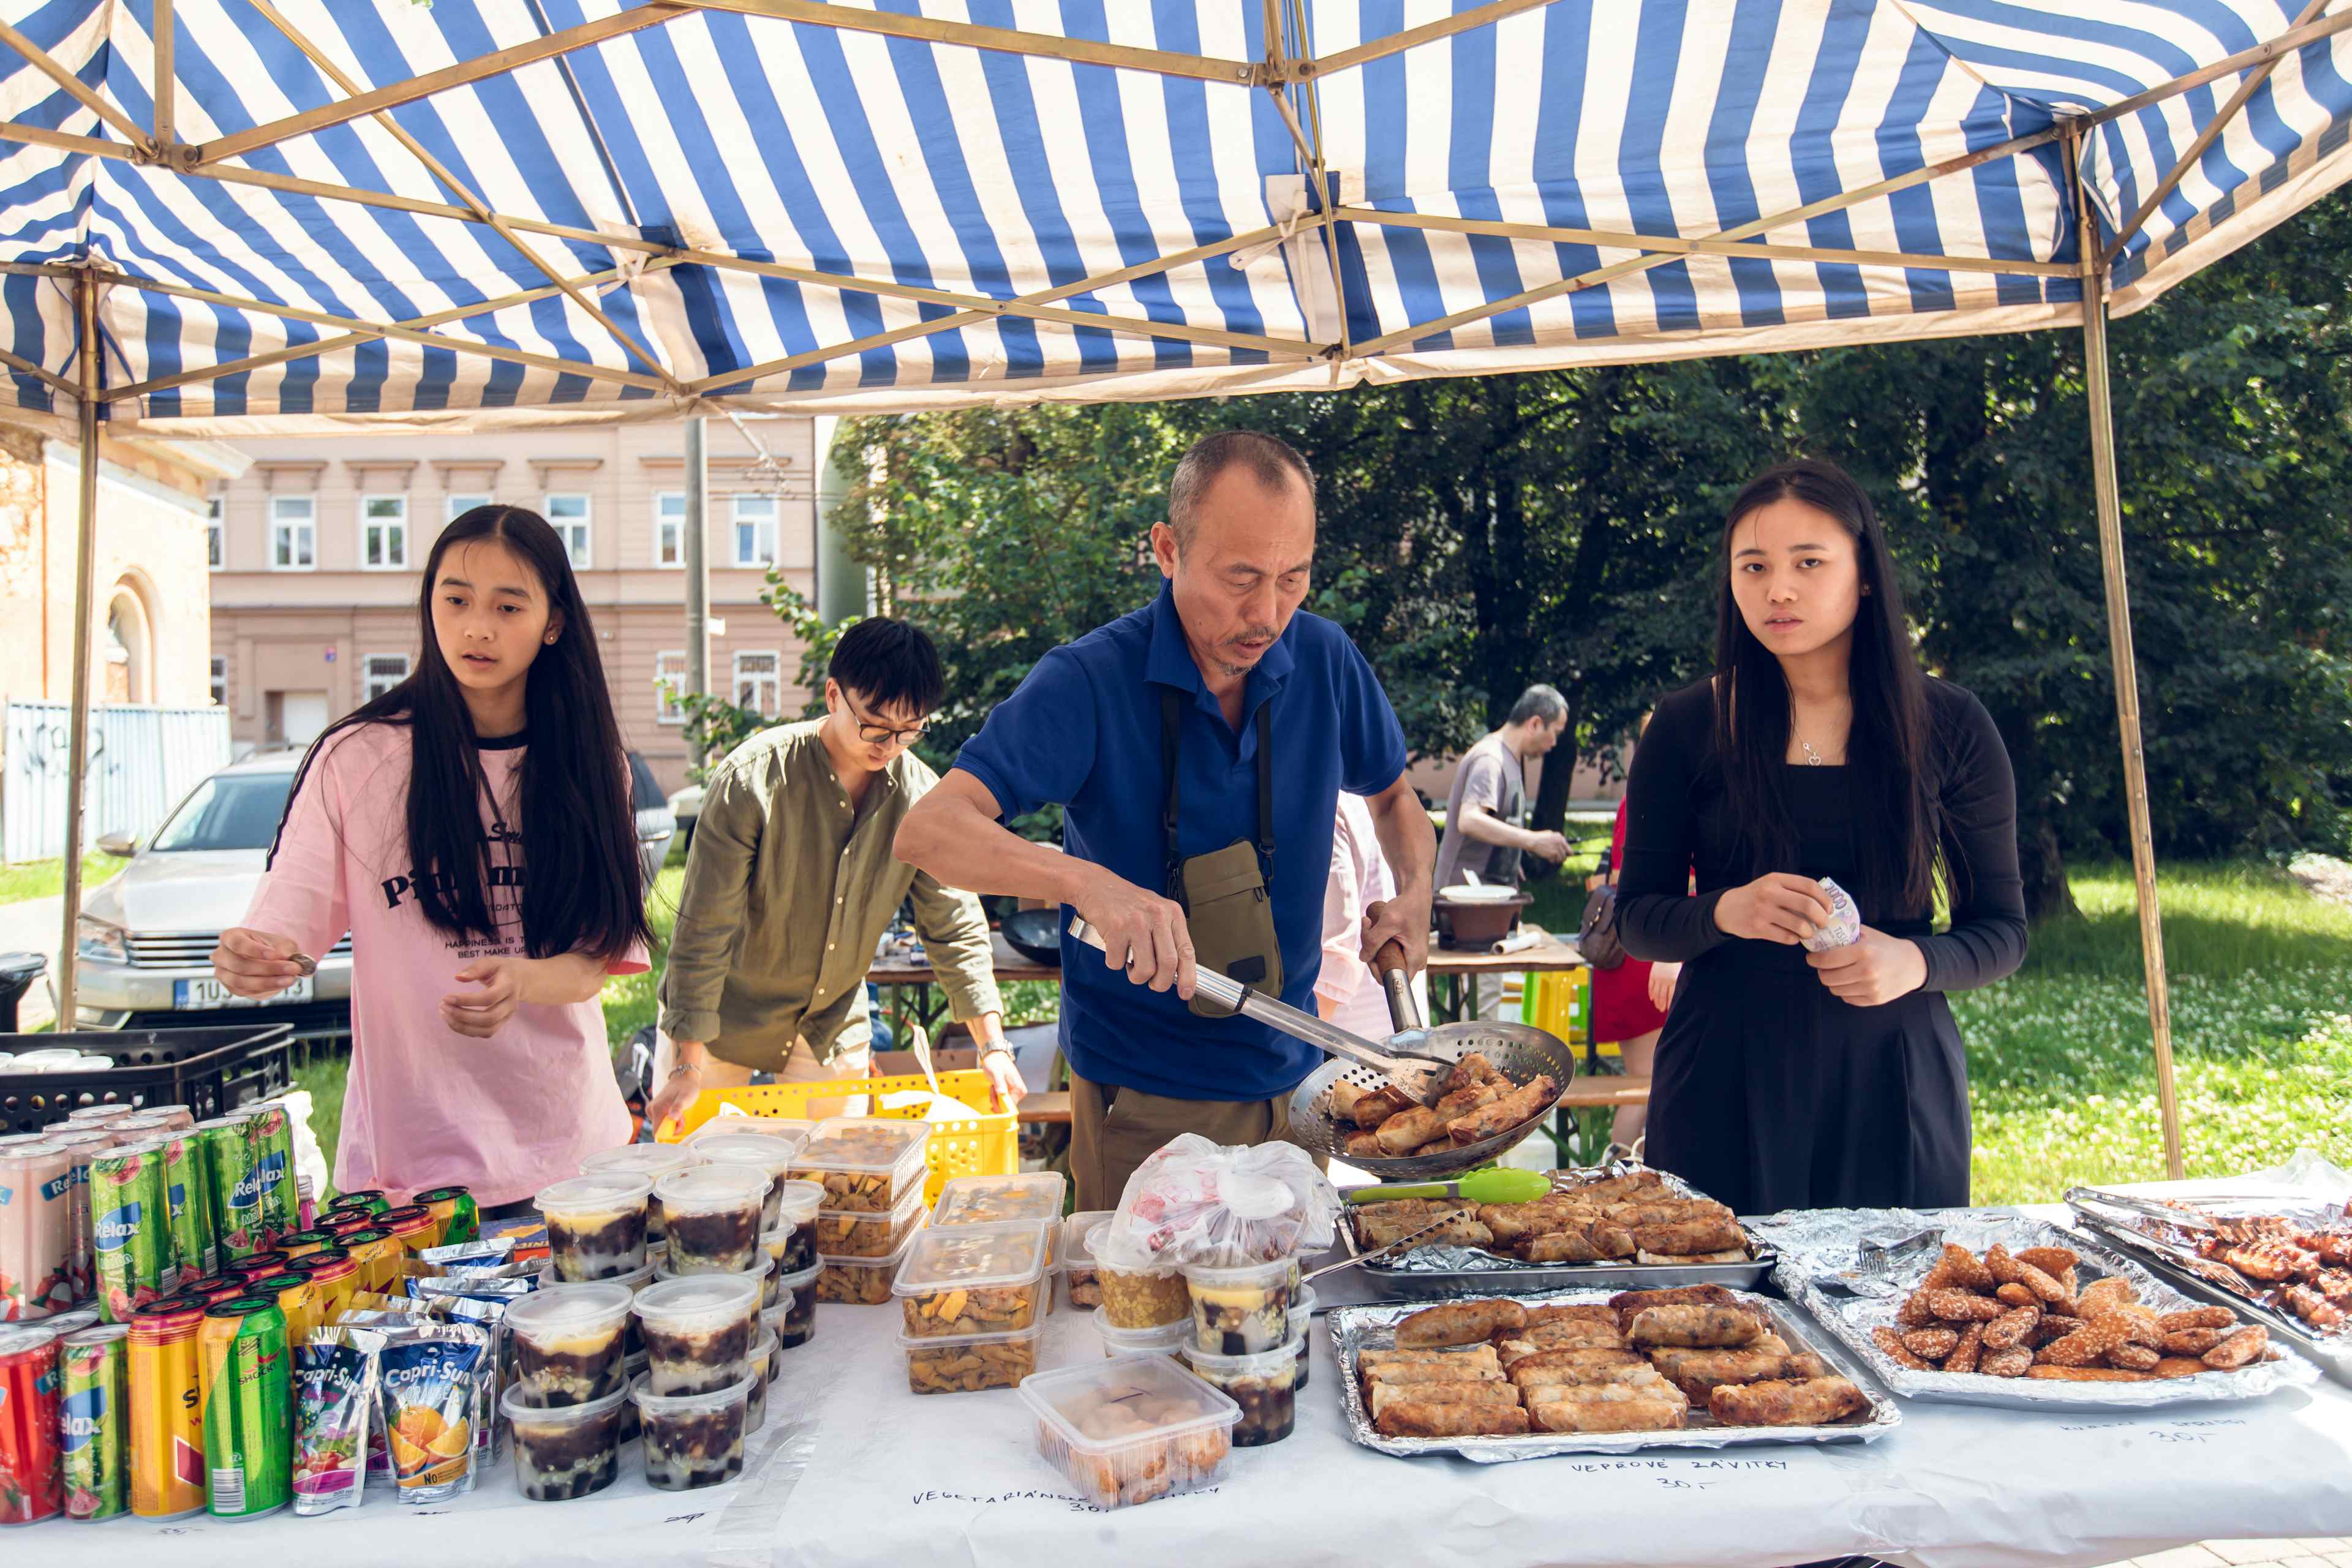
(986, 1145)
(1561, 1002)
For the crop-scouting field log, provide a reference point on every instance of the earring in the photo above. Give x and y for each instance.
(551, 637)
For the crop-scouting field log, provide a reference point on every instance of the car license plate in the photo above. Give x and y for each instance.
(208, 992)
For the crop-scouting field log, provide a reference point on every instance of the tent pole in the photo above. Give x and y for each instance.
(693, 549)
(77, 729)
(2107, 495)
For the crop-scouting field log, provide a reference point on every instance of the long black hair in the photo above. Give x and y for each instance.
(1889, 751)
(584, 886)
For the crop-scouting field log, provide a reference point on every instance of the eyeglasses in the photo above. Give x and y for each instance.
(875, 734)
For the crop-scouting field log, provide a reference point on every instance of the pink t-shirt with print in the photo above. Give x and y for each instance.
(426, 1106)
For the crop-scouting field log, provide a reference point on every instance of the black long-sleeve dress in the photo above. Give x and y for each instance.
(1770, 1092)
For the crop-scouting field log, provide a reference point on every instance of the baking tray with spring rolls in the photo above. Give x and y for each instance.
(1818, 1247)
(1447, 1273)
(1357, 1329)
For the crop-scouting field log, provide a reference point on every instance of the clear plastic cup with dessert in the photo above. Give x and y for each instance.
(698, 1331)
(570, 1343)
(595, 1226)
(712, 1214)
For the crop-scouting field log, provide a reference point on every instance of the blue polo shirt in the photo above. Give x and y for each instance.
(1083, 731)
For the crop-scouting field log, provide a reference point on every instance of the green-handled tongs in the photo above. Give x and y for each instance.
(1494, 1185)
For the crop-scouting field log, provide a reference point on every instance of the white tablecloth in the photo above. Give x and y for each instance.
(853, 1470)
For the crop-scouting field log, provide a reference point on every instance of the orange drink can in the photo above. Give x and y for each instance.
(167, 1440)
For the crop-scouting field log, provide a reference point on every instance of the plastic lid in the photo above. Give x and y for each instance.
(1077, 1232)
(861, 1143)
(768, 1344)
(773, 1155)
(651, 1161)
(515, 1401)
(798, 1201)
(1257, 1363)
(1302, 1306)
(699, 1296)
(922, 1228)
(635, 1280)
(1143, 1397)
(569, 1310)
(945, 1342)
(765, 1126)
(653, 1403)
(765, 1267)
(604, 1194)
(990, 1200)
(704, 1189)
(1241, 1275)
(1160, 1341)
(795, 1281)
(973, 1257)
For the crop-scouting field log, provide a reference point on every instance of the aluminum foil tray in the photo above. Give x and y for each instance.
(1449, 1273)
(1818, 1244)
(1354, 1328)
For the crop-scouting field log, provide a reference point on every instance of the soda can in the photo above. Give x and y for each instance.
(249, 1386)
(167, 1441)
(32, 1479)
(334, 1276)
(35, 1230)
(296, 1301)
(98, 1115)
(455, 1208)
(81, 1271)
(380, 1255)
(260, 1266)
(369, 1198)
(178, 1117)
(270, 1133)
(72, 1323)
(188, 1189)
(415, 1225)
(94, 1431)
(131, 1227)
(302, 1243)
(344, 1221)
(236, 1191)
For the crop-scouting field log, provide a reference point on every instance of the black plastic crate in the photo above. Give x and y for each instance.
(210, 1070)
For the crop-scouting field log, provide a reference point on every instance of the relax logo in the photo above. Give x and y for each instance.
(52, 1191)
(267, 1173)
(117, 1226)
(82, 1419)
(179, 1198)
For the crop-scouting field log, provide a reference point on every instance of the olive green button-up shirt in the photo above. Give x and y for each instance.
(787, 891)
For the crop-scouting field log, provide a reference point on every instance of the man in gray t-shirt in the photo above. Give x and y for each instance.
(1486, 815)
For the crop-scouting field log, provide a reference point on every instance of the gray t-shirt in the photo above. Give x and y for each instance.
(1492, 777)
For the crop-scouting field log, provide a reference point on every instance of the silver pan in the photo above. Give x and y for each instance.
(1519, 1051)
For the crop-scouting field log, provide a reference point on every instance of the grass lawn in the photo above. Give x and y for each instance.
(47, 878)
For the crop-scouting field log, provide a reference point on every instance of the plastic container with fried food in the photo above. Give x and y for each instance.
(1132, 1430)
(1078, 1277)
(853, 1233)
(997, 1200)
(968, 1363)
(865, 1163)
(863, 1281)
(973, 1279)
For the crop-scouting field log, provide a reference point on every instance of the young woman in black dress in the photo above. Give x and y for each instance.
(1794, 1079)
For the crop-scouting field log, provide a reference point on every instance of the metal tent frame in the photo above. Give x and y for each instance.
(1290, 73)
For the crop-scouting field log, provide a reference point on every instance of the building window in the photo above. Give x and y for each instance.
(384, 533)
(669, 673)
(380, 672)
(756, 682)
(293, 533)
(569, 513)
(755, 531)
(669, 528)
(460, 505)
(220, 680)
(215, 547)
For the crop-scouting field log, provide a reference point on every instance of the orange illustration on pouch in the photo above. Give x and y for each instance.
(426, 1450)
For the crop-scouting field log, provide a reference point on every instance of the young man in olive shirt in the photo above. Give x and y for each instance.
(790, 882)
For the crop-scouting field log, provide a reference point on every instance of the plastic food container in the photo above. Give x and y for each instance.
(633, 1344)
(865, 1163)
(1167, 1340)
(764, 1270)
(771, 1157)
(764, 1373)
(1241, 1310)
(1078, 1259)
(698, 1331)
(966, 1363)
(651, 1161)
(797, 1131)
(861, 1281)
(852, 1232)
(998, 1200)
(1264, 1385)
(692, 1440)
(595, 1226)
(791, 1237)
(713, 1214)
(971, 1280)
(1302, 1324)
(568, 1451)
(1143, 1296)
(1131, 1431)
(793, 1318)
(569, 1344)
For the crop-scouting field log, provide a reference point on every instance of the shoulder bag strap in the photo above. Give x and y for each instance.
(1172, 729)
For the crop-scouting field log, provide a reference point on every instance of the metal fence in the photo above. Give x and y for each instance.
(141, 761)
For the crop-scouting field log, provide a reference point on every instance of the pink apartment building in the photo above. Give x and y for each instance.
(316, 551)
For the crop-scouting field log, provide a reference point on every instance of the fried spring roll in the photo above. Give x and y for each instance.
(1482, 1356)
(1521, 1105)
(1429, 1420)
(1731, 1255)
(1573, 1333)
(1711, 1234)
(1371, 1108)
(1365, 1146)
(1595, 1416)
(1472, 1070)
(1578, 1312)
(1544, 1364)
(1625, 1303)
(1460, 1323)
(1408, 1129)
(1605, 1189)
(1816, 1402)
(1461, 1101)
(1539, 1382)
(1560, 1247)
(1386, 1396)
(1694, 1326)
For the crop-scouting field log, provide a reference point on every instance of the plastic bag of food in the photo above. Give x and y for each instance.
(334, 1398)
(1195, 1201)
(1845, 920)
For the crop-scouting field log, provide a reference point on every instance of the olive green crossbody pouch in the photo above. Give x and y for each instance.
(1228, 907)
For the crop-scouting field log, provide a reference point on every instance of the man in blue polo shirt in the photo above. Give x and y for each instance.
(1087, 731)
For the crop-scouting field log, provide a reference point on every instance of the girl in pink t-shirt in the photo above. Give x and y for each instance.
(471, 829)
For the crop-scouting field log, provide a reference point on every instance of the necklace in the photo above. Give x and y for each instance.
(1813, 758)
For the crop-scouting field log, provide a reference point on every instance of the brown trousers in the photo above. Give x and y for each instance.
(1114, 1130)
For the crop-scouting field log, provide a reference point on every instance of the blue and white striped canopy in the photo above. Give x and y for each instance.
(773, 204)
